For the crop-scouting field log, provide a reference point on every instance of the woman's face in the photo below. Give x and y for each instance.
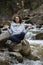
(17, 19)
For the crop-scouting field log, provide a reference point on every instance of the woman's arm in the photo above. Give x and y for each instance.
(27, 27)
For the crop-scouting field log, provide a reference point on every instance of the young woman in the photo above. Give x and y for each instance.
(17, 30)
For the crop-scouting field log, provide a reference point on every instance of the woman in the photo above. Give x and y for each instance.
(17, 30)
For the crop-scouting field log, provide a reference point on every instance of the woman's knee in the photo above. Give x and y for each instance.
(22, 34)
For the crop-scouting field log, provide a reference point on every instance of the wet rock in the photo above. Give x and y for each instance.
(37, 49)
(3, 59)
(3, 41)
(39, 36)
(17, 47)
(17, 55)
(23, 47)
(3, 37)
(25, 50)
(4, 63)
(13, 46)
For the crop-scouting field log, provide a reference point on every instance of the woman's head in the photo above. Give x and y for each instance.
(17, 19)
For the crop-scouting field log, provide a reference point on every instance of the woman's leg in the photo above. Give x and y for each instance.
(22, 35)
(17, 38)
(14, 38)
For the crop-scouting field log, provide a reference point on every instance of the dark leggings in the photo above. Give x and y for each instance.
(17, 38)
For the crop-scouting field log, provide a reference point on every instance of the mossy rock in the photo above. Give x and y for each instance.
(39, 36)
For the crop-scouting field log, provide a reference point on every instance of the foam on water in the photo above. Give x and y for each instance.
(35, 41)
(28, 62)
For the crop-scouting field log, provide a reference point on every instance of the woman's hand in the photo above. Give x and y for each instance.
(30, 26)
(6, 26)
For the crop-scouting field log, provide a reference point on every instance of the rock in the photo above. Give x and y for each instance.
(4, 63)
(17, 47)
(18, 56)
(32, 57)
(5, 34)
(3, 41)
(25, 50)
(13, 46)
(3, 37)
(23, 47)
(3, 59)
(39, 36)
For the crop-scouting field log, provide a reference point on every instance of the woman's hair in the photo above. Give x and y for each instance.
(20, 19)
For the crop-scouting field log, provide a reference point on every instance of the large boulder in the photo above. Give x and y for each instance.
(24, 49)
(17, 55)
